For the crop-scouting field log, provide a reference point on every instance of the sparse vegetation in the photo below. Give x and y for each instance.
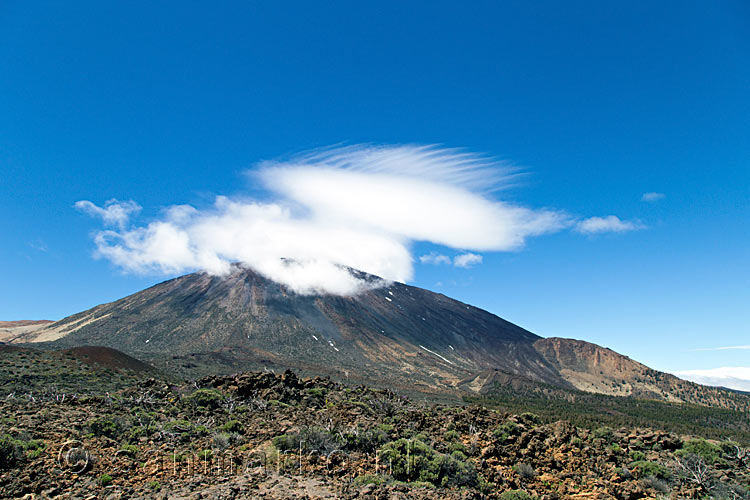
(419, 450)
(594, 411)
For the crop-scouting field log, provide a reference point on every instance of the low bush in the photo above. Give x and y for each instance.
(456, 470)
(11, 451)
(412, 460)
(224, 440)
(604, 433)
(644, 468)
(451, 436)
(232, 426)
(360, 481)
(366, 441)
(130, 450)
(707, 451)
(205, 398)
(507, 431)
(105, 426)
(516, 495)
(308, 440)
(525, 471)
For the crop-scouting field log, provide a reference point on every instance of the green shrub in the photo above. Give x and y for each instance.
(205, 398)
(232, 426)
(11, 451)
(129, 449)
(105, 426)
(637, 444)
(456, 446)
(576, 441)
(637, 456)
(387, 428)
(309, 439)
(360, 481)
(506, 431)
(105, 480)
(530, 418)
(451, 436)
(286, 442)
(456, 470)
(316, 392)
(516, 495)
(135, 433)
(707, 451)
(644, 468)
(224, 440)
(154, 485)
(413, 461)
(366, 440)
(604, 433)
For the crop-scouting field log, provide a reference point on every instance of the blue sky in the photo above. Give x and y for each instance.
(598, 103)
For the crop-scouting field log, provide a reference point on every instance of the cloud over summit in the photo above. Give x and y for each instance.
(358, 206)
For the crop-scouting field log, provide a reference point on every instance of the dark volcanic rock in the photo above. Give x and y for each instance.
(397, 335)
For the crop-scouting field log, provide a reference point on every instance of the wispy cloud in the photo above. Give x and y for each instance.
(723, 348)
(361, 207)
(652, 196)
(435, 259)
(608, 224)
(113, 213)
(467, 259)
(733, 377)
(39, 245)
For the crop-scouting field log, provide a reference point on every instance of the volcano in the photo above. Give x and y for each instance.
(392, 335)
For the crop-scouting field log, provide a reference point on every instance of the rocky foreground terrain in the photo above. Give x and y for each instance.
(261, 435)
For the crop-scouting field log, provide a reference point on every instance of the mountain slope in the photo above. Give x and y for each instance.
(397, 334)
(79, 370)
(20, 331)
(591, 368)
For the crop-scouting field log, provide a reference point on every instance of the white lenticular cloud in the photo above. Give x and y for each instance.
(359, 207)
(467, 260)
(609, 224)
